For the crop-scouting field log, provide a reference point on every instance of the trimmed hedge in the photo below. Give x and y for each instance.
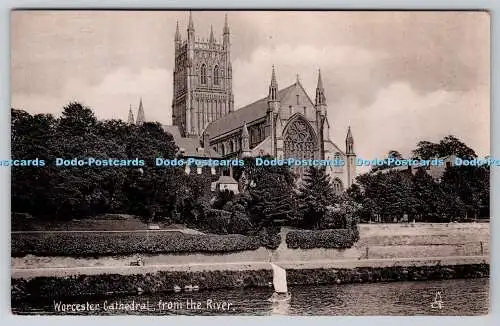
(81, 244)
(334, 238)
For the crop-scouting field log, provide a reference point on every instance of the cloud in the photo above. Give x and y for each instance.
(251, 77)
(112, 97)
(400, 117)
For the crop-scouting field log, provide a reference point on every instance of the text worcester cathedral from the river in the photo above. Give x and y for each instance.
(284, 124)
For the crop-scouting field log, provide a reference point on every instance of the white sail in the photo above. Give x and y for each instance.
(279, 279)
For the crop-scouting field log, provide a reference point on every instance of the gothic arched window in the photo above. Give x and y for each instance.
(299, 142)
(338, 187)
(216, 75)
(203, 74)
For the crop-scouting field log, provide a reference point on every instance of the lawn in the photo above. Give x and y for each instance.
(109, 222)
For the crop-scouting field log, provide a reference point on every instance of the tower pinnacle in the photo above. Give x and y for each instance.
(130, 116)
(226, 26)
(177, 33)
(141, 118)
(273, 88)
(349, 142)
(320, 91)
(212, 39)
(190, 24)
(245, 144)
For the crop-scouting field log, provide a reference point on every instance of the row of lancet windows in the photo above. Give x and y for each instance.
(228, 148)
(203, 75)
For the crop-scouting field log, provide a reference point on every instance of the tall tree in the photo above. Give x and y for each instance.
(315, 195)
(271, 193)
(449, 145)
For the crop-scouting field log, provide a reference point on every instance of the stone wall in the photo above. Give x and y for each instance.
(406, 243)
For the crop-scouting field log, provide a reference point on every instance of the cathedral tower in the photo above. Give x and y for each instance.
(202, 80)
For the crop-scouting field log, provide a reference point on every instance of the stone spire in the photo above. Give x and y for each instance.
(349, 142)
(212, 38)
(177, 33)
(273, 88)
(130, 116)
(225, 34)
(141, 118)
(190, 24)
(245, 143)
(225, 30)
(320, 91)
(190, 29)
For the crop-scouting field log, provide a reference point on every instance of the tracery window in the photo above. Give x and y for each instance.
(299, 141)
(203, 74)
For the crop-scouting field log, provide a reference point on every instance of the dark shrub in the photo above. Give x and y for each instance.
(216, 221)
(222, 198)
(239, 224)
(337, 238)
(270, 237)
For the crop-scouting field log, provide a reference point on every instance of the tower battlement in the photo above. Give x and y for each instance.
(203, 90)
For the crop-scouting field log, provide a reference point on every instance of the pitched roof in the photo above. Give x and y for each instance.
(249, 113)
(226, 179)
(190, 146)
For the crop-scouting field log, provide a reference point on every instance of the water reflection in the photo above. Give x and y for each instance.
(459, 297)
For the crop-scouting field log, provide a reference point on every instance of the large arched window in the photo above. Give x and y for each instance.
(216, 75)
(338, 187)
(299, 142)
(203, 74)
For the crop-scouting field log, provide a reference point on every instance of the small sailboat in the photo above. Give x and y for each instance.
(280, 285)
(438, 302)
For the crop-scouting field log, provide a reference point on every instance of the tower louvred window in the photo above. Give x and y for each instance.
(203, 74)
(216, 75)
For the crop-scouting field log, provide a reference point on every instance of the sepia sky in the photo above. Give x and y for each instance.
(395, 77)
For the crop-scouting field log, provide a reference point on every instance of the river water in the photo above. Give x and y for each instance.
(458, 297)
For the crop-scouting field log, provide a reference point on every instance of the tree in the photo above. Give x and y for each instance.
(315, 195)
(391, 154)
(270, 192)
(470, 185)
(449, 145)
(69, 192)
(388, 194)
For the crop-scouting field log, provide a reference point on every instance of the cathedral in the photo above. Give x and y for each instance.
(285, 123)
